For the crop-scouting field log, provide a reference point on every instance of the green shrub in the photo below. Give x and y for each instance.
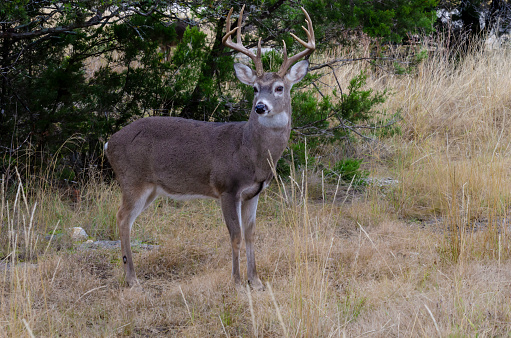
(349, 172)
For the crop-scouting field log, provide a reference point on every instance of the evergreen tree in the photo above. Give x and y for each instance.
(89, 67)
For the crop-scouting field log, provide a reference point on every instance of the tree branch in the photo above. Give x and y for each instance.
(95, 20)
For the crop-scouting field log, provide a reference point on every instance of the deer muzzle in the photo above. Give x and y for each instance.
(261, 108)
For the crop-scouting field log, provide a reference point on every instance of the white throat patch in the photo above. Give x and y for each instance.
(279, 120)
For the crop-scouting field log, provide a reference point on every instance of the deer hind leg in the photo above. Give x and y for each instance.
(248, 213)
(231, 209)
(133, 203)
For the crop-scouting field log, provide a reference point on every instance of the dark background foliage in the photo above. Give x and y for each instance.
(82, 69)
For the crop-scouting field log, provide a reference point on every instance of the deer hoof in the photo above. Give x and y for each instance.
(132, 282)
(256, 284)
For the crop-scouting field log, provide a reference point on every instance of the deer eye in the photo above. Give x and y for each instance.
(279, 89)
(255, 90)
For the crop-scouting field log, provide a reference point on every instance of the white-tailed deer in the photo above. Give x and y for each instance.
(185, 159)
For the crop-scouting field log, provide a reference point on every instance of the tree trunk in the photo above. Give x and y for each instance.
(4, 89)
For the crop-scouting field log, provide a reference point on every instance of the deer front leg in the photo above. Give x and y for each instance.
(231, 209)
(248, 212)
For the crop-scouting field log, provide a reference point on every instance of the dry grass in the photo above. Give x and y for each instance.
(429, 257)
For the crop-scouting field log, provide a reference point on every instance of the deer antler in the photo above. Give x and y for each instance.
(238, 46)
(310, 46)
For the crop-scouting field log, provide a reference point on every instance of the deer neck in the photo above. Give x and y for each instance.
(268, 136)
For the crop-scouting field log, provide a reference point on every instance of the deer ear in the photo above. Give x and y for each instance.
(245, 74)
(297, 72)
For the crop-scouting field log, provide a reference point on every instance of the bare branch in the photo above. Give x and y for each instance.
(13, 150)
(95, 20)
(336, 79)
(334, 61)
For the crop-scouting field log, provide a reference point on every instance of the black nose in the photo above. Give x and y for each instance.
(260, 108)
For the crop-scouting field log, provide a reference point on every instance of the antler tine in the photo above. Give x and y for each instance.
(238, 46)
(227, 36)
(240, 21)
(310, 46)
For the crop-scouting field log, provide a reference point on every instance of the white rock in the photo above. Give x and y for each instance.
(78, 234)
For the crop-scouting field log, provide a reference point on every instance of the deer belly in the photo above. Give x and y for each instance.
(181, 195)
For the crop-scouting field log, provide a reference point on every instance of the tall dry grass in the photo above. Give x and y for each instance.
(427, 257)
(454, 154)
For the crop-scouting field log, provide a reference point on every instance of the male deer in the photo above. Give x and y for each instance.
(185, 159)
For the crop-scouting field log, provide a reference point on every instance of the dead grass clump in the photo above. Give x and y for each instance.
(179, 257)
(467, 100)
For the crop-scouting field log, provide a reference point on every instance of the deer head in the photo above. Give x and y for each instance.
(271, 90)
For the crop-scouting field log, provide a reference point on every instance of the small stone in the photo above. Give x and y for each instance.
(78, 234)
